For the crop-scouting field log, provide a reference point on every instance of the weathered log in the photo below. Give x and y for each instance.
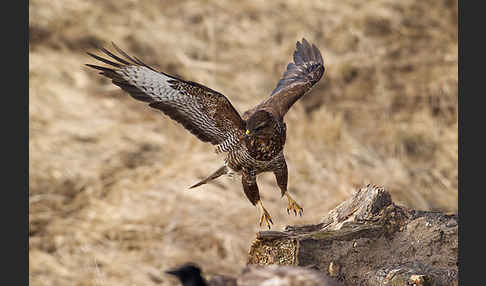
(369, 240)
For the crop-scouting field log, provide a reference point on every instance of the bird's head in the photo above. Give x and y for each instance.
(188, 273)
(260, 124)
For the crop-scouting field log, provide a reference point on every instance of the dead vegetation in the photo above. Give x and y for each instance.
(108, 180)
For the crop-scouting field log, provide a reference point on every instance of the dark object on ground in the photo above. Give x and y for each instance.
(368, 240)
(189, 274)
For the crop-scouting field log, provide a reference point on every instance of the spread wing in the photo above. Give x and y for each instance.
(299, 77)
(204, 112)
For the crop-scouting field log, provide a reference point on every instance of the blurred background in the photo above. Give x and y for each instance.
(109, 203)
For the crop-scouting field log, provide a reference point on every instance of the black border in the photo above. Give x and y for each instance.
(460, 164)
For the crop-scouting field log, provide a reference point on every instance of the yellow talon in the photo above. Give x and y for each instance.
(293, 206)
(265, 216)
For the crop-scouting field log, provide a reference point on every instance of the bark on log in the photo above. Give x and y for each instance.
(368, 240)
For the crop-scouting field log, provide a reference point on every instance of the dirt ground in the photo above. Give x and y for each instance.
(109, 202)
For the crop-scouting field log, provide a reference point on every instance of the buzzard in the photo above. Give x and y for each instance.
(253, 142)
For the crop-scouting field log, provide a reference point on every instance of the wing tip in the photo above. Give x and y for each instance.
(124, 59)
(307, 52)
(307, 62)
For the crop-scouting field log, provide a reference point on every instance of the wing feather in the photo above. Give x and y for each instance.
(204, 112)
(299, 77)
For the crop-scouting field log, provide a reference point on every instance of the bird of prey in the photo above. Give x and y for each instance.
(253, 142)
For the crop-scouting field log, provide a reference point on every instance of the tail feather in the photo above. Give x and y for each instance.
(221, 171)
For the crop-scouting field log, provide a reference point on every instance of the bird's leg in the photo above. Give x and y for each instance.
(281, 175)
(293, 205)
(250, 187)
(265, 215)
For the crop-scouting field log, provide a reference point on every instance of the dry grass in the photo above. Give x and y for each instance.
(108, 201)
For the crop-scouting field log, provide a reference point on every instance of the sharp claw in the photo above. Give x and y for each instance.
(288, 211)
(270, 220)
(295, 212)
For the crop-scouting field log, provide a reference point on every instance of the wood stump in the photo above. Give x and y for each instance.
(368, 240)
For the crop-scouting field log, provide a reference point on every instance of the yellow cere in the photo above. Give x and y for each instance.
(247, 132)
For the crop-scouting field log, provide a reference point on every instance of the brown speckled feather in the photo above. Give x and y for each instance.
(204, 112)
(299, 77)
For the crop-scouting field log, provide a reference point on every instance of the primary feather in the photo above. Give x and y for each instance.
(204, 112)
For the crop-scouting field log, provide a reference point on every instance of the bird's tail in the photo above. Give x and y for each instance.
(221, 171)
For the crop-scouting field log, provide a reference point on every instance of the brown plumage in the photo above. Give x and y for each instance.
(253, 142)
